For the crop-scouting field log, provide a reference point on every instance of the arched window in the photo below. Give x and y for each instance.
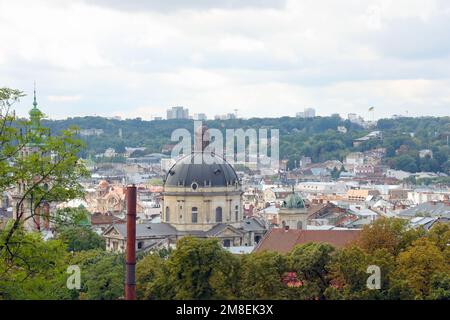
(236, 212)
(219, 214)
(167, 214)
(194, 214)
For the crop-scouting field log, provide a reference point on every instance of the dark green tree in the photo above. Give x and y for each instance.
(262, 276)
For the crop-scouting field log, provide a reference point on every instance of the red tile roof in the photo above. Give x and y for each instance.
(283, 241)
(98, 218)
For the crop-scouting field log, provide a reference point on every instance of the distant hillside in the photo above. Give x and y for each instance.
(317, 138)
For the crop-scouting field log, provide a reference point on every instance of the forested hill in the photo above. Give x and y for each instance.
(317, 138)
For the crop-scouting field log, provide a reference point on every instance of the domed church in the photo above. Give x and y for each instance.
(201, 198)
(198, 196)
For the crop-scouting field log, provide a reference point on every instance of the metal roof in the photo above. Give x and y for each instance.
(194, 168)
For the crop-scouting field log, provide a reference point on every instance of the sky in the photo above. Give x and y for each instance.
(265, 58)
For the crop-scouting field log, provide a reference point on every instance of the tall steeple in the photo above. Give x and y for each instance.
(35, 102)
(35, 113)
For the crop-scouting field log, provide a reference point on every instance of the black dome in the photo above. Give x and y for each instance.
(192, 168)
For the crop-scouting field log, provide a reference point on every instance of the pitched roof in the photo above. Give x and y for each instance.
(283, 241)
(98, 218)
(148, 230)
(434, 209)
(219, 228)
(253, 224)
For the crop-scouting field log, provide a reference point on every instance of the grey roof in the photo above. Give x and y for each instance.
(437, 209)
(424, 222)
(193, 168)
(160, 230)
(218, 228)
(253, 224)
(149, 230)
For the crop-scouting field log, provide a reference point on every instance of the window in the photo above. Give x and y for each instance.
(167, 214)
(236, 212)
(140, 245)
(227, 243)
(194, 214)
(219, 214)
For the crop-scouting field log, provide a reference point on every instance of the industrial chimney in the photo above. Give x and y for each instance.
(130, 276)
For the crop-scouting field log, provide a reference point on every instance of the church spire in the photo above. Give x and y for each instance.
(35, 113)
(34, 101)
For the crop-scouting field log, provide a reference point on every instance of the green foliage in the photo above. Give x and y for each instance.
(80, 238)
(151, 278)
(69, 217)
(421, 269)
(390, 234)
(198, 269)
(316, 138)
(438, 182)
(413, 265)
(405, 163)
(45, 166)
(262, 276)
(310, 262)
(102, 274)
(440, 287)
(138, 153)
(73, 227)
(33, 269)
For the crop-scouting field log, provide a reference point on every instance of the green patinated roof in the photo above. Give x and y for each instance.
(293, 201)
(35, 118)
(35, 113)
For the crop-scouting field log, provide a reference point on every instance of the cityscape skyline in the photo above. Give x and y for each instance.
(266, 59)
(224, 156)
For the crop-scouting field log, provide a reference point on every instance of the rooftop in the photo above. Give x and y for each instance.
(283, 241)
(433, 209)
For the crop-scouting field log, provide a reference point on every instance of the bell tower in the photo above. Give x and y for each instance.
(41, 215)
(293, 213)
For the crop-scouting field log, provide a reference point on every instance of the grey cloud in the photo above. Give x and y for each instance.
(416, 39)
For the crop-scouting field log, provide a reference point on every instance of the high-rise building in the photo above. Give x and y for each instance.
(310, 113)
(227, 116)
(307, 113)
(178, 113)
(200, 117)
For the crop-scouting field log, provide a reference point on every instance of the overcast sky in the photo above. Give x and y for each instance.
(265, 58)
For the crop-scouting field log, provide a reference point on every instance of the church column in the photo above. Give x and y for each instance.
(207, 210)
